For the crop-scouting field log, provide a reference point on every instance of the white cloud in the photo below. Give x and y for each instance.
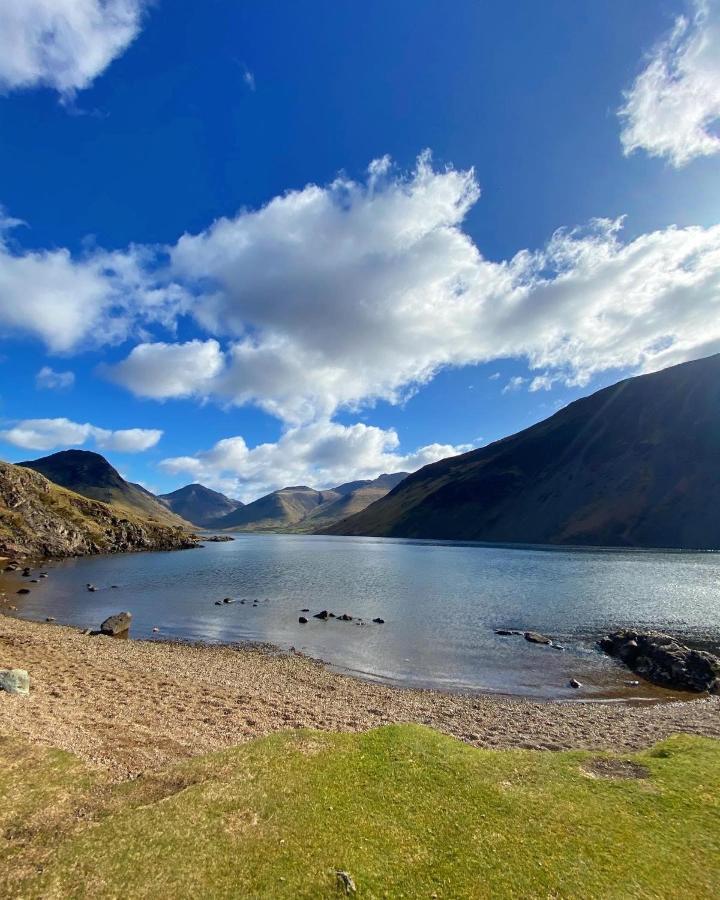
(673, 107)
(323, 454)
(49, 379)
(515, 383)
(72, 303)
(63, 44)
(170, 370)
(48, 434)
(336, 297)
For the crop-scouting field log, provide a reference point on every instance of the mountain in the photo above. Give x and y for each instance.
(91, 475)
(197, 504)
(634, 465)
(303, 509)
(277, 511)
(39, 518)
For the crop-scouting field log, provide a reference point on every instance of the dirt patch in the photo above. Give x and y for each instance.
(602, 767)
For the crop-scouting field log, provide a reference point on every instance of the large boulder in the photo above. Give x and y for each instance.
(663, 660)
(117, 624)
(14, 681)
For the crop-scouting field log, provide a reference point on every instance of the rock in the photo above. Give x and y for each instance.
(663, 660)
(49, 619)
(113, 586)
(228, 600)
(321, 615)
(304, 610)
(218, 539)
(632, 683)
(34, 581)
(536, 638)
(117, 624)
(218, 603)
(379, 621)
(24, 591)
(14, 681)
(91, 588)
(26, 571)
(346, 882)
(43, 575)
(345, 618)
(156, 631)
(332, 615)
(574, 683)
(506, 632)
(302, 620)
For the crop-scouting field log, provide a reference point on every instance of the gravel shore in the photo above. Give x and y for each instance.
(130, 706)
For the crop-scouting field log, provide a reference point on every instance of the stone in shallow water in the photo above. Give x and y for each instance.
(536, 638)
(14, 681)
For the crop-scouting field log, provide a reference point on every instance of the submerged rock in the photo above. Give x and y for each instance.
(536, 638)
(379, 621)
(117, 624)
(14, 681)
(507, 632)
(663, 660)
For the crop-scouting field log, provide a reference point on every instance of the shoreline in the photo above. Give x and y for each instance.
(130, 706)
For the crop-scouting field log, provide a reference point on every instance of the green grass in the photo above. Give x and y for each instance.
(406, 811)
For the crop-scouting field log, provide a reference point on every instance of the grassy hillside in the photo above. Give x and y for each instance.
(634, 464)
(403, 810)
(92, 476)
(197, 504)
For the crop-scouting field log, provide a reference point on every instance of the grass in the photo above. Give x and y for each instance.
(406, 811)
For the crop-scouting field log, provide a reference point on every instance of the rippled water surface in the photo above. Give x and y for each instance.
(441, 603)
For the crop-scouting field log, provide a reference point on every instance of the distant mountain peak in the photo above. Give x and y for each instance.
(199, 504)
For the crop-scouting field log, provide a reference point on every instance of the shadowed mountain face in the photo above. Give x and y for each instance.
(634, 465)
(91, 475)
(303, 509)
(199, 505)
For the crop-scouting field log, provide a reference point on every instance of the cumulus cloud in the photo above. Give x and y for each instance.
(49, 434)
(335, 297)
(673, 107)
(170, 370)
(63, 44)
(49, 379)
(322, 455)
(70, 303)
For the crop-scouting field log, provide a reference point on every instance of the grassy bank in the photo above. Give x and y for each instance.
(406, 811)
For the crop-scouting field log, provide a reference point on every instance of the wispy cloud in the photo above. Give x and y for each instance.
(63, 44)
(674, 104)
(49, 379)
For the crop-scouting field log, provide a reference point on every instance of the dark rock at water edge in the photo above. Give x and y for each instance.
(321, 615)
(302, 620)
(663, 660)
(117, 624)
(218, 539)
(536, 638)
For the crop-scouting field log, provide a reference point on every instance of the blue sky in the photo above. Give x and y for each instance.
(408, 228)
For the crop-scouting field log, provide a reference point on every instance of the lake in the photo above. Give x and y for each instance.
(441, 602)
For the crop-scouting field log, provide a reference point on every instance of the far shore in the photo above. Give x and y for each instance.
(132, 706)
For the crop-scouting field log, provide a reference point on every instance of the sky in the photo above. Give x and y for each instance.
(259, 244)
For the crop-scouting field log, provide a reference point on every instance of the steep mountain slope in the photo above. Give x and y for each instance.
(635, 464)
(92, 476)
(303, 509)
(197, 504)
(39, 518)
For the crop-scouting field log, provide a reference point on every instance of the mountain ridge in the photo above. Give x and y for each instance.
(300, 508)
(91, 475)
(632, 465)
(199, 504)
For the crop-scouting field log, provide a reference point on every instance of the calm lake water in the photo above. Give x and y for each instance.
(441, 603)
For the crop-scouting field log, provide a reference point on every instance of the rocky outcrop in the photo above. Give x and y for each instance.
(663, 660)
(39, 518)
